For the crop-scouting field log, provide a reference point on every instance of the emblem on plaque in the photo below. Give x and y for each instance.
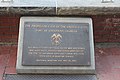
(56, 38)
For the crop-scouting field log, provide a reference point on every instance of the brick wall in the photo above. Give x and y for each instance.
(9, 29)
(106, 28)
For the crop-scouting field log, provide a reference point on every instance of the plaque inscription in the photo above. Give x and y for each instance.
(56, 43)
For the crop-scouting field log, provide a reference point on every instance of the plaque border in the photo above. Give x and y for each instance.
(55, 69)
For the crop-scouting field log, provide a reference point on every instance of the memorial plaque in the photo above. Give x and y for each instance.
(55, 45)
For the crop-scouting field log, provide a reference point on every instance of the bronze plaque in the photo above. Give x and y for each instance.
(56, 43)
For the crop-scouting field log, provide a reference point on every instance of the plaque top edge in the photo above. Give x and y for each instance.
(57, 19)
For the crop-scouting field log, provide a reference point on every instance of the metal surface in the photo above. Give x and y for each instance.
(50, 77)
(58, 41)
(53, 43)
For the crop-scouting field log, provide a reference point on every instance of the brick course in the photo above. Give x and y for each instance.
(9, 28)
(106, 28)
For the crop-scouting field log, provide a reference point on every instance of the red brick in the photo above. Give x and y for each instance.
(116, 74)
(13, 49)
(9, 32)
(14, 38)
(14, 28)
(2, 52)
(5, 48)
(9, 20)
(111, 40)
(3, 59)
(104, 32)
(12, 60)
(108, 63)
(10, 70)
(4, 29)
(2, 70)
(6, 38)
(98, 28)
(13, 56)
